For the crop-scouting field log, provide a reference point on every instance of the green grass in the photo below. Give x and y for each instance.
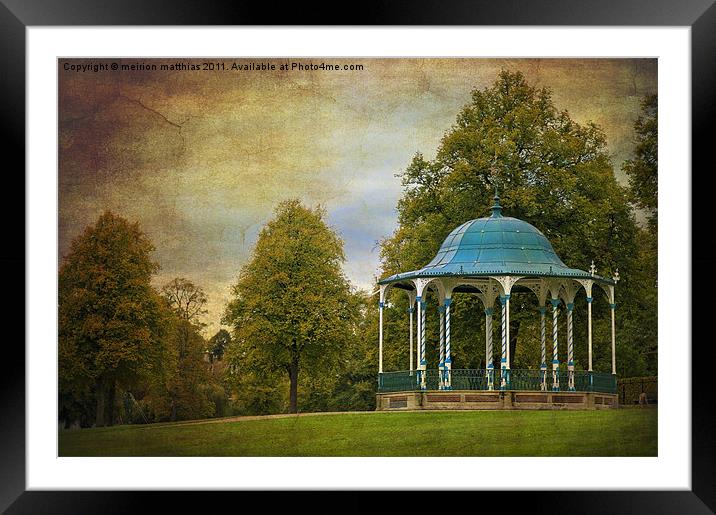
(622, 432)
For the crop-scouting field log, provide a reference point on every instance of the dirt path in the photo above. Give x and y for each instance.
(250, 417)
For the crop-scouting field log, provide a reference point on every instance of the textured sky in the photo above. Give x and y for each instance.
(200, 158)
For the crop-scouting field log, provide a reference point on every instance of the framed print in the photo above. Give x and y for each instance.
(360, 258)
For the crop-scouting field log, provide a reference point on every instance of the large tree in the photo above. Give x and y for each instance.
(110, 318)
(187, 300)
(291, 306)
(552, 172)
(642, 168)
(180, 388)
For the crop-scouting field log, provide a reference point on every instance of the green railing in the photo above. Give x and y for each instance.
(471, 379)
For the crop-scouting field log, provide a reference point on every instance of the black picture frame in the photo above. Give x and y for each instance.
(16, 15)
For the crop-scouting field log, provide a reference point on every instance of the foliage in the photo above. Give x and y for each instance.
(180, 389)
(642, 169)
(218, 345)
(357, 380)
(110, 318)
(349, 384)
(291, 305)
(256, 392)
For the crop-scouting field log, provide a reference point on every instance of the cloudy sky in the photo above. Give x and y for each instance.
(201, 158)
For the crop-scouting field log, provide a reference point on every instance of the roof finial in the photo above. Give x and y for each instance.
(496, 207)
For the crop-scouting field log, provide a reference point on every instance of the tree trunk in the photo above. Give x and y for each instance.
(293, 376)
(173, 415)
(100, 396)
(109, 403)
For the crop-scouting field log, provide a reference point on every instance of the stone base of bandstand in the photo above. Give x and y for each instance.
(493, 400)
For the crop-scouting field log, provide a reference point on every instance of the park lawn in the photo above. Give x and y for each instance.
(618, 432)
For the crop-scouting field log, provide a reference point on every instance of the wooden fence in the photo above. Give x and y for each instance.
(631, 388)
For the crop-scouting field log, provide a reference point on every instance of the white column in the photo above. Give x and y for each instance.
(380, 336)
(423, 361)
(555, 349)
(419, 354)
(589, 330)
(488, 349)
(448, 355)
(543, 342)
(418, 357)
(614, 340)
(570, 348)
(504, 364)
(411, 310)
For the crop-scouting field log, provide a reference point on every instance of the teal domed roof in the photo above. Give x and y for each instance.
(494, 245)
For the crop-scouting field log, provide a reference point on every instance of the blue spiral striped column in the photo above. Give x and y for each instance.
(441, 364)
(488, 349)
(555, 350)
(448, 358)
(503, 359)
(423, 307)
(419, 357)
(423, 361)
(543, 342)
(570, 348)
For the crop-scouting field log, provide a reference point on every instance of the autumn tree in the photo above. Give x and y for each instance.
(185, 376)
(355, 385)
(187, 300)
(552, 172)
(290, 309)
(110, 318)
(642, 168)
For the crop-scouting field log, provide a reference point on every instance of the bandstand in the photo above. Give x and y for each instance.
(491, 258)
